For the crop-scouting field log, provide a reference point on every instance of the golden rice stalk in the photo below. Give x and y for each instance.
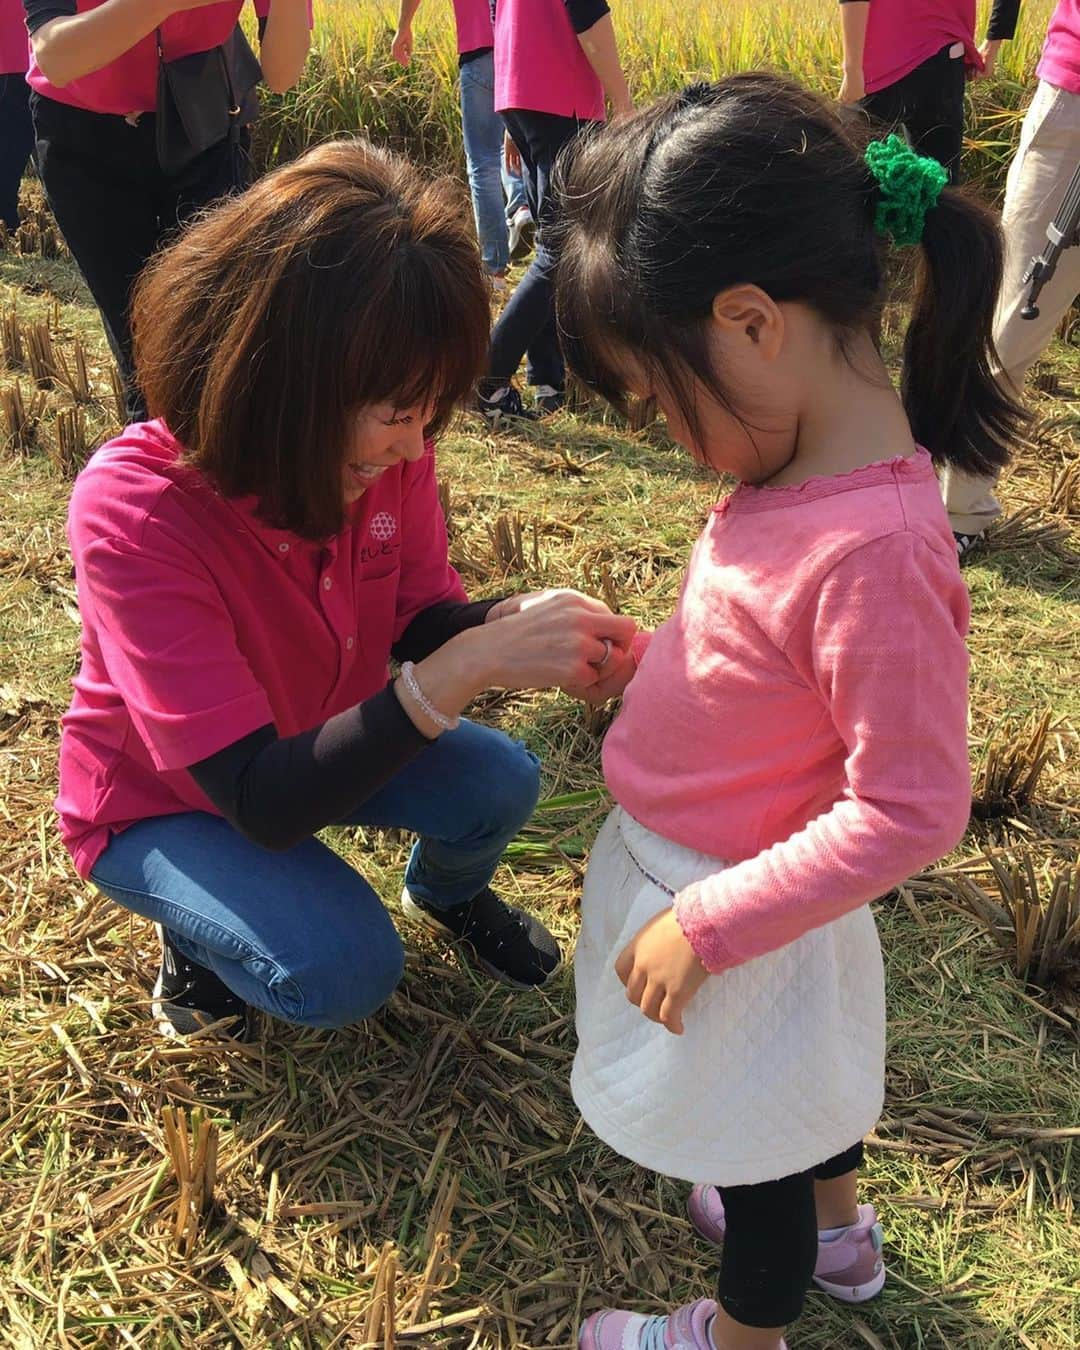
(194, 1163)
(40, 355)
(72, 449)
(1064, 496)
(1008, 777)
(20, 418)
(73, 374)
(11, 340)
(508, 540)
(1035, 921)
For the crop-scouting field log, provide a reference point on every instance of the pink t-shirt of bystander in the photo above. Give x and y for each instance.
(1060, 61)
(14, 44)
(803, 714)
(201, 623)
(539, 64)
(902, 34)
(473, 19)
(129, 84)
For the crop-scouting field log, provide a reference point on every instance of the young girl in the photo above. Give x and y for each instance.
(907, 62)
(793, 742)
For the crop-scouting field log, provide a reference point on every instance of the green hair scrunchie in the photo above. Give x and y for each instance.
(910, 186)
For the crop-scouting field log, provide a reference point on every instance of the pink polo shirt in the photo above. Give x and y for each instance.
(1060, 63)
(473, 19)
(14, 44)
(129, 84)
(902, 34)
(201, 624)
(539, 64)
(803, 714)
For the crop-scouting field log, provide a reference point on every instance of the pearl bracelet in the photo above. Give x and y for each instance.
(412, 687)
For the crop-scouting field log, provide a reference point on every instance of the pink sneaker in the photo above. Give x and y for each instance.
(849, 1268)
(685, 1329)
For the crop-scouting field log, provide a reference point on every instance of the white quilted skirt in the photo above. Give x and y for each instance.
(782, 1062)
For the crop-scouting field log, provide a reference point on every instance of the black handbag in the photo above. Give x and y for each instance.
(204, 99)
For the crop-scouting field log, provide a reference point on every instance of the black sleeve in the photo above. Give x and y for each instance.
(584, 13)
(279, 792)
(1003, 19)
(39, 12)
(437, 624)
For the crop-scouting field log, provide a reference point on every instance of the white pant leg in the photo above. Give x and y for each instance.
(1046, 158)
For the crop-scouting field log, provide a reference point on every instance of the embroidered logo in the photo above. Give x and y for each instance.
(383, 526)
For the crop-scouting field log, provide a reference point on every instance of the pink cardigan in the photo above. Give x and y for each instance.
(539, 64)
(803, 714)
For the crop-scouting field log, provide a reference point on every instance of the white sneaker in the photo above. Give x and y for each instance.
(522, 232)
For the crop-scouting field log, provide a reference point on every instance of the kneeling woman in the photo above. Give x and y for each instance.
(247, 564)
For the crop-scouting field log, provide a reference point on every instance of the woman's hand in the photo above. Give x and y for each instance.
(661, 971)
(853, 85)
(553, 638)
(989, 53)
(512, 156)
(615, 674)
(401, 47)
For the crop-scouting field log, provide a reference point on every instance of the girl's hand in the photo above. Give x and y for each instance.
(853, 86)
(661, 971)
(615, 674)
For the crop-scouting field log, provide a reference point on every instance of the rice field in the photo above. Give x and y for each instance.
(352, 82)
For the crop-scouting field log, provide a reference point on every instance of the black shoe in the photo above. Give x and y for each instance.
(966, 543)
(189, 998)
(549, 399)
(509, 944)
(506, 402)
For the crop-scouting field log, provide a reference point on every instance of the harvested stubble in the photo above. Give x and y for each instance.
(12, 347)
(1035, 920)
(1012, 765)
(40, 354)
(22, 417)
(72, 447)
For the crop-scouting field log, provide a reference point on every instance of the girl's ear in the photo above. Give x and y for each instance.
(745, 314)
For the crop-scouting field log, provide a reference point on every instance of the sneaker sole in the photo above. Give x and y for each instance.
(429, 921)
(853, 1293)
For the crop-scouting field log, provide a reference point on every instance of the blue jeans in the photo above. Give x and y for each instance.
(300, 934)
(482, 130)
(527, 324)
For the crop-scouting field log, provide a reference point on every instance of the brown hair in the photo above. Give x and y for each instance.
(341, 280)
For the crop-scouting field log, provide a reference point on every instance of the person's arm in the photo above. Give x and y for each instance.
(68, 46)
(853, 18)
(596, 34)
(402, 46)
(1000, 28)
(279, 791)
(284, 43)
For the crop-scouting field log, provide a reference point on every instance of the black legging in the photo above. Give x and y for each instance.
(16, 143)
(771, 1243)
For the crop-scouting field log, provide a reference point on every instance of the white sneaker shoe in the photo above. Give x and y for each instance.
(522, 232)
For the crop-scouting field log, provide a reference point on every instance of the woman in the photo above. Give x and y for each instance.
(1039, 176)
(247, 564)
(500, 221)
(16, 129)
(907, 62)
(555, 61)
(94, 76)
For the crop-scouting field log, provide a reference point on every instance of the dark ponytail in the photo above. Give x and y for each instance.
(956, 406)
(753, 180)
